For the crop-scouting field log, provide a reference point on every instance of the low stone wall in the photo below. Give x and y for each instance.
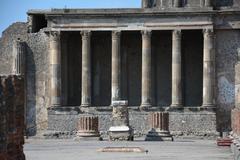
(11, 118)
(181, 123)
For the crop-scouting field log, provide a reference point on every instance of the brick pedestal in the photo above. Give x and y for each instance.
(88, 128)
(160, 127)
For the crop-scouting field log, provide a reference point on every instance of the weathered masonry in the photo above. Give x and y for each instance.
(173, 55)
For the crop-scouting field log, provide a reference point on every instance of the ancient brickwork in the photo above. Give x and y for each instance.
(11, 118)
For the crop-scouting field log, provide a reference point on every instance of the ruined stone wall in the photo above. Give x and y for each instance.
(227, 46)
(36, 71)
(11, 118)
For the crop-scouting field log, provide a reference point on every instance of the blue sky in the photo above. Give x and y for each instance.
(15, 10)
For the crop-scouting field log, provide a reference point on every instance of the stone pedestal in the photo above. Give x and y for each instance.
(160, 127)
(120, 129)
(88, 128)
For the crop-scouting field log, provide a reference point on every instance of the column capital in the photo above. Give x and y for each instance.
(55, 35)
(86, 34)
(208, 32)
(146, 33)
(116, 34)
(177, 33)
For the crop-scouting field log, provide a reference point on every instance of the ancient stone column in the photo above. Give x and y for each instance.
(146, 70)
(120, 129)
(65, 69)
(116, 66)
(19, 67)
(145, 3)
(208, 3)
(88, 128)
(176, 3)
(176, 69)
(160, 127)
(208, 68)
(86, 68)
(236, 3)
(55, 68)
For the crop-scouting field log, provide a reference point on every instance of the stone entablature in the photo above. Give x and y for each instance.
(138, 19)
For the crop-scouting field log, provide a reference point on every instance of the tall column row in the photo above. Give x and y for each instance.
(146, 85)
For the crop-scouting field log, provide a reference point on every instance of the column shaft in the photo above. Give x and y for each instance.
(86, 68)
(208, 3)
(55, 68)
(116, 66)
(176, 69)
(65, 70)
(208, 69)
(146, 69)
(176, 3)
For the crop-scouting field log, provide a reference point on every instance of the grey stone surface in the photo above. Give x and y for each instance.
(179, 150)
(193, 123)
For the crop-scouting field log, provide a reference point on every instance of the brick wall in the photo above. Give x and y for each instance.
(11, 118)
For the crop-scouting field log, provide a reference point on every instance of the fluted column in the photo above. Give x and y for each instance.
(55, 68)
(176, 69)
(19, 67)
(86, 68)
(146, 69)
(208, 68)
(176, 3)
(116, 66)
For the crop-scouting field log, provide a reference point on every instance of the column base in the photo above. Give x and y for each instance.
(144, 106)
(158, 135)
(85, 105)
(208, 106)
(87, 136)
(176, 106)
(74, 110)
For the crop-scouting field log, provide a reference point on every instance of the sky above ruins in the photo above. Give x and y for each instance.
(15, 10)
